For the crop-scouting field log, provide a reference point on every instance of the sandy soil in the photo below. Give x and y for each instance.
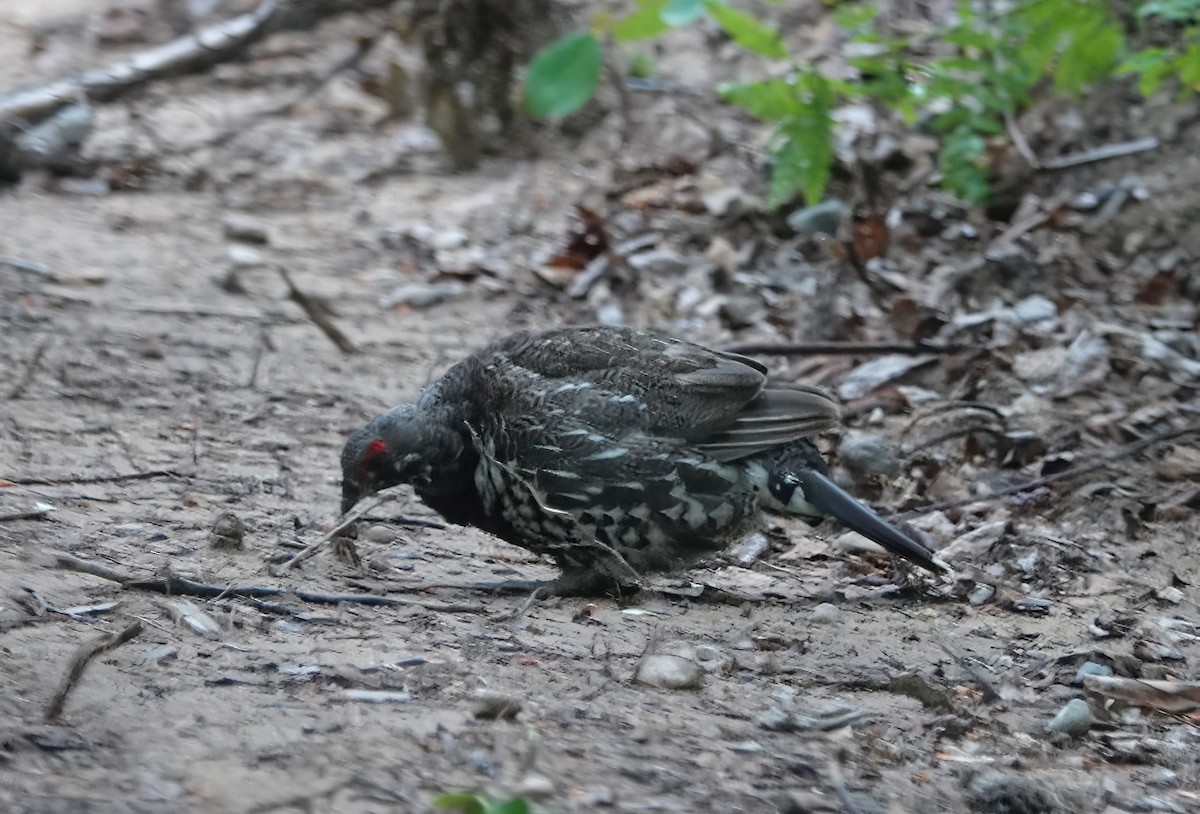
(154, 383)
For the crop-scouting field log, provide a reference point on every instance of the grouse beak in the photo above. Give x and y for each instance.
(351, 494)
(823, 493)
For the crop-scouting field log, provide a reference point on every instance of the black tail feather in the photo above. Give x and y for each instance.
(827, 496)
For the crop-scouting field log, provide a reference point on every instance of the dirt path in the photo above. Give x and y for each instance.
(161, 346)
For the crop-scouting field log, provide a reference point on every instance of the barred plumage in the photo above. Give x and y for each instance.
(615, 452)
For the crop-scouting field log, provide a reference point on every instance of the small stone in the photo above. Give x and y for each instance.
(447, 239)
(822, 219)
(867, 455)
(825, 614)
(1074, 719)
(535, 787)
(422, 295)
(244, 257)
(228, 532)
(721, 200)
(1091, 668)
(380, 533)
(244, 228)
(750, 549)
(993, 792)
(492, 706)
(598, 797)
(981, 594)
(670, 672)
(659, 262)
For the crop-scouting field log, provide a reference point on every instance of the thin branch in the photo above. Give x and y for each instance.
(834, 767)
(28, 514)
(985, 685)
(1101, 462)
(29, 267)
(841, 348)
(318, 314)
(1019, 142)
(79, 663)
(132, 476)
(30, 369)
(348, 519)
(1101, 153)
(172, 585)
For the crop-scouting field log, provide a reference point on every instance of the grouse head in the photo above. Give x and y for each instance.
(404, 445)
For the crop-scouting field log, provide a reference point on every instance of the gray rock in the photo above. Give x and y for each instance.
(1074, 719)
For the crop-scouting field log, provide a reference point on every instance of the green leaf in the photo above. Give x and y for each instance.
(464, 801)
(1151, 65)
(852, 16)
(962, 166)
(1176, 11)
(1089, 57)
(563, 75)
(1188, 66)
(802, 154)
(747, 31)
(679, 13)
(516, 805)
(769, 101)
(644, 23)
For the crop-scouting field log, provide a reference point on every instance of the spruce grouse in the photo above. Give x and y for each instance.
(617, 453)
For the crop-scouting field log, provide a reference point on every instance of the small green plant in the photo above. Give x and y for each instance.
(469, 802)
(964, 82)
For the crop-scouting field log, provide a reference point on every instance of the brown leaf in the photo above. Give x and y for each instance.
(586, 243)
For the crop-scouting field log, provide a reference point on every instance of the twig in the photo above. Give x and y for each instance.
(28, 266)
(319, 316)
(1088, 466)
(30, 369)
(624, 102)
(838, 781)
(195, 51)
(840, 348)
(349, 519)
(1101, 153)
(173, 585)
(29, 514)
(149, 475)
(1018, 140)
(985, 685)
(79, 663)
(950, 435)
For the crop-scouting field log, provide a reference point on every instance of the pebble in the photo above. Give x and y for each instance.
(423, 295)
(669, 672)
(1074, 719)
(867, 455)
(447, 239)
(659, 261)
(244, 228)
(535, 787)
(981, 594)
(228, 533)
(493, 706)
(825, 613)
(750, 549)
(244, 257)
(1091, 668)
(379, 533)
(821, 219)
